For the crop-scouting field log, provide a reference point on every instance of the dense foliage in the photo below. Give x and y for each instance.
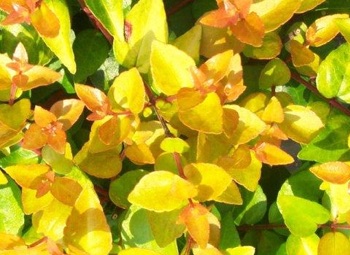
(174, 127)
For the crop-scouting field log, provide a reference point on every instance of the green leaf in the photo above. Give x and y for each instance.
(61, 44)
(11, 214)
(271, 47)
(295, 117)
(137, 232)
(168, 61)
(205, 117)
(110, 14)
(275, 13)
(334, 82)
(302, 245)
(301, 216)
(334, 243)
(19, 156)
(253, 208)
(275, 73)
(165, 226)
(162, 191)
(229, 236)
(90, 49)
(266, 242)
(121, 187)
(176, 145)
(331, 143)
(60, 163)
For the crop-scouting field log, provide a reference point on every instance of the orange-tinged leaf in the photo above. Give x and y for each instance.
(139, 154)
(128, 91)
(115, 129)
(208, 250)
(9, 241)
(27, 176)
(34, 138)
(162, 191)
(66, 190)
(45, 21)
(39, 76)
(57, 140)
(273, 111)
(206, 116)
(210, 180)
(217, 66)
(195, 217)
(230, 121)
(7, 5)
(272, 155)
(17, 14)
(220, 18)
(188, 98)
(301, 55)
(323, 29)
(250, 30)
(334, 172)
(67, 111)
(43, 117)
(94, 99)
(334, 243)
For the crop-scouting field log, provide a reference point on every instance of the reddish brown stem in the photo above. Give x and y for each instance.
(178, 163)
(178, 6)
(333, 102)
(95, 21)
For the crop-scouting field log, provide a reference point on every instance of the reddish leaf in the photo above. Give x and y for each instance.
(67, 111)
(66, 190)
(34, 138)
(272, 155)
(43, 117)
(222, 17)
(57, 140)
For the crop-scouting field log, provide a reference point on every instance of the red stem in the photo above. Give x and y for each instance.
(333, 102)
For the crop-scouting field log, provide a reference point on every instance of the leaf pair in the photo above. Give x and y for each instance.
(235, 14)
(49, 126)
(34, 12)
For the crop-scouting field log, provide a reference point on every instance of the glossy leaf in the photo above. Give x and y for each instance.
(334, 82)
(323, 29)
(210, 180)
(275, 73)
(61, 44)
(333, 243)
(301, 215)
(11, 214)
(295, 117)
(154, 190)
(205, 117)
(269, 11)
(241, 250)
(195, 217)
(334, 172)
(128, 91)
(168, 61)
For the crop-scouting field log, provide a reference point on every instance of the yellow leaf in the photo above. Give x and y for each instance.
(210, 180)
(241, 250)
(39, 19)
(137, 251)
(190, 42)
(249, 125)
(334, 243)
(301, 55)
(275, 13)
(208, 250)
(334, 172)
(139, 154)
(307, 5)
(20, 109)
(273, 111)
(162, 191)
(295, 117)
(231, 195)
(272, 155)
(67, 111)
(3, 179)
(32, 203)
(205, 117)
(323, 29)
(168, 61)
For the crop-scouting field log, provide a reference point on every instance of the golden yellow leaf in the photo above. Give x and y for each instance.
(334, 172)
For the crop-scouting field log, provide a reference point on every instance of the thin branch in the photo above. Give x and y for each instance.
(333, 102)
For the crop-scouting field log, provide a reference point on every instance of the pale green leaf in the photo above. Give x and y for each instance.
(162, 191)
(170, 68)
(190, 42)
(302, 245)
(275, 73)
(301, 216)
(176, 145)
(344, 27)
(271, 47)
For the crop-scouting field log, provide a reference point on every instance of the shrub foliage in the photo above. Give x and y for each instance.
(174, 127)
